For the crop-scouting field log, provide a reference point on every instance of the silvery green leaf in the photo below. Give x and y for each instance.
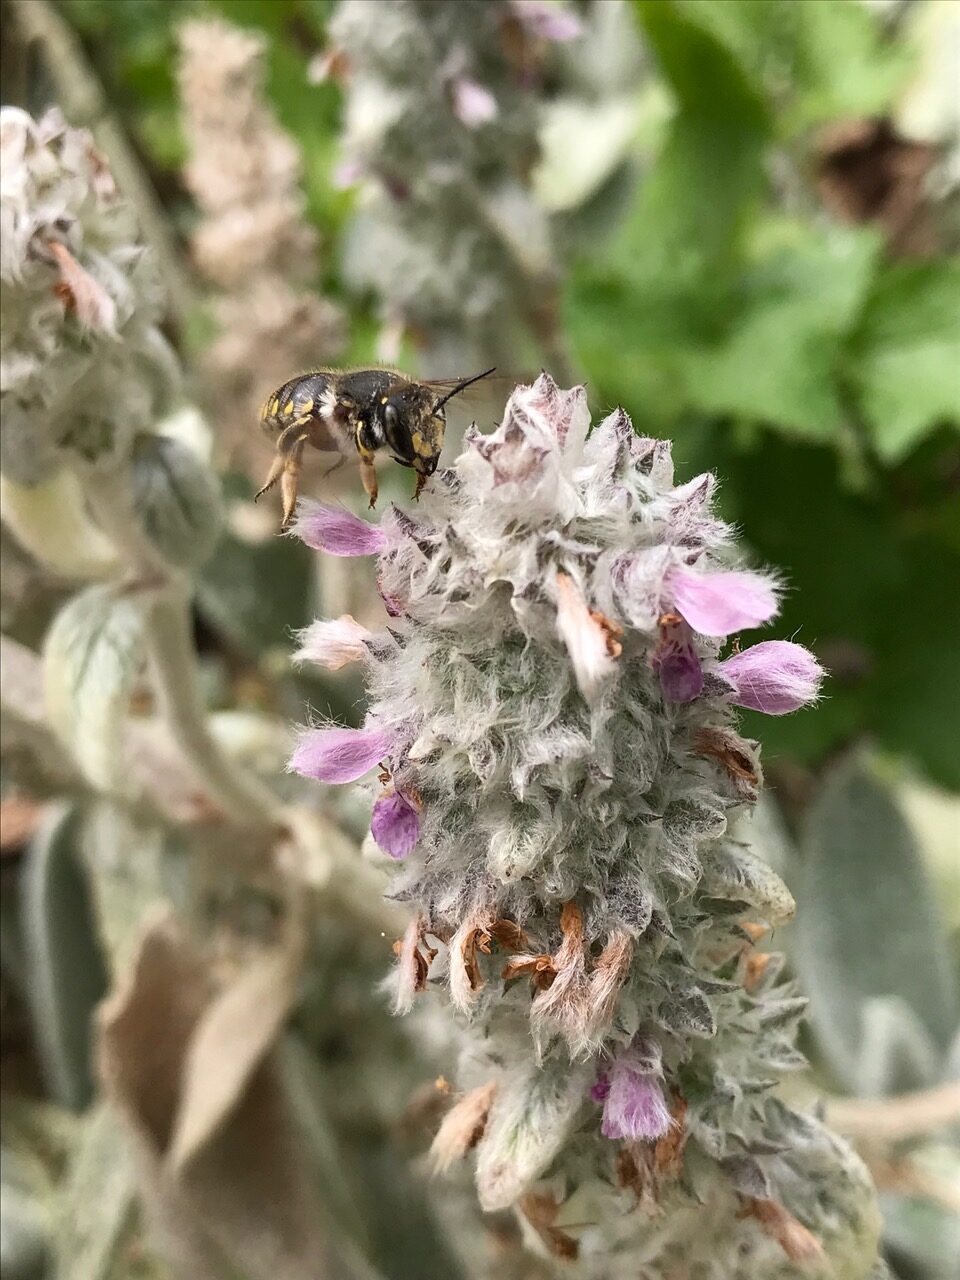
(67, 975)
(92, 653)
(528, 1124)
(952, 1071)
(739, 874)
(24, 1251)
(896, 1052)
(97, 1203)
(747, 1175)
(51, 522)
(176, 497)
(923, 1234)
(867, 922)
(689, 1014)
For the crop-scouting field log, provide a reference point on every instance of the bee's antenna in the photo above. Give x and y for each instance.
(461, 386)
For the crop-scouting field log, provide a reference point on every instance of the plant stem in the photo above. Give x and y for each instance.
(170, 643)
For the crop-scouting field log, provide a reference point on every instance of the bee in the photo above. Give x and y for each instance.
(362, 410)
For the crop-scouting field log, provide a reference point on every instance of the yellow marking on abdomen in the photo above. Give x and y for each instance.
(307, 406)
(288, 409)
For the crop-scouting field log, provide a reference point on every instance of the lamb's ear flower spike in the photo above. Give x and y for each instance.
(553, 692)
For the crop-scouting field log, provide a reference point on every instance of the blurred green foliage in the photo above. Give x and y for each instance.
(792, 354)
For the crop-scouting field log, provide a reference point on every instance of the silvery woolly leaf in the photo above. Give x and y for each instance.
(867, 923)
(91, 657)
(528, 1124)
(896, 1052)
(738, 874)
(97, 1203)
(50, 521)
(176, 499)
(67, 973)
(24, 1253)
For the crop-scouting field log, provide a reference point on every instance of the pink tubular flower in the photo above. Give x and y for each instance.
(339, 755)
(634, 1106)
(472, 102)
(334, 643)
(395, 824)
(677, 661)
(547, 21)
(774, 677)
(718, 604)
(333, 529)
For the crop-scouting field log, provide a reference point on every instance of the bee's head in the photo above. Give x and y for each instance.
(414, 428)
(410, 421)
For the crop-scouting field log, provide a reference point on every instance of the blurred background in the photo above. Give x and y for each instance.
(739, 219)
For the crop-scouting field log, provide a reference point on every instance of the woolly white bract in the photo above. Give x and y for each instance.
(83, 365)
(577, 889)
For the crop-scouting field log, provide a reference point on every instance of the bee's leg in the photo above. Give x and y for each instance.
(336, 466)
(368, 477)
(273, 475)
(288, 439)
(290, 481)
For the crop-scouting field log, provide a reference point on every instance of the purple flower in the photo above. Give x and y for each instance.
(547, 21)
(472, 102)
(775, 677)
(339, 755)
(395, 824)
(601, 1086)
(336, 530)
(634, 1107)
(676, 661)
(717, 604)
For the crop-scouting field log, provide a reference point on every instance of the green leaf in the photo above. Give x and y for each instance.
(776, 363)
(92, 654)
(905, 359)
(867, 923)
(843, 64)
(67, 973)
(711, 163)
(916, 688)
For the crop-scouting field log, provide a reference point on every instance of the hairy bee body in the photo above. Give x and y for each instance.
(361, 410)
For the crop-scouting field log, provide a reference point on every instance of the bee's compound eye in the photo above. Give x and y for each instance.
(391, 418)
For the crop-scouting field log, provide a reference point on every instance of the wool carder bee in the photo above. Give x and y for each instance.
(362, 410)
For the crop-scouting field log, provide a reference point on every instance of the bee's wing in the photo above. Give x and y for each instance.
(479, 390)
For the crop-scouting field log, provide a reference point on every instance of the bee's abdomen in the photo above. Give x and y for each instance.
(295, 399)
